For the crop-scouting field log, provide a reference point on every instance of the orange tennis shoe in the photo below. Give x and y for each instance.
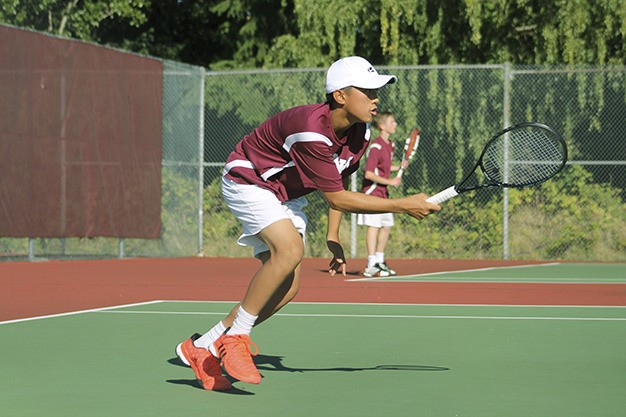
(236, 356)
(206, 366)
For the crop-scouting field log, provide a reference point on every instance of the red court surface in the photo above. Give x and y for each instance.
(30, 289)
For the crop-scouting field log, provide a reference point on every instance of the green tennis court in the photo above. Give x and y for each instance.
(555, 272)
(321, 359)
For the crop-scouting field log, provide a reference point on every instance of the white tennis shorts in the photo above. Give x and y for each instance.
(375, 220)
(256, 208)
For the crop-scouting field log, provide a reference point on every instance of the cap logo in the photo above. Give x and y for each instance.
(371, 69)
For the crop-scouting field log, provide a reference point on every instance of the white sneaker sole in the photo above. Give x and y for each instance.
(179, 353)
(380, 274)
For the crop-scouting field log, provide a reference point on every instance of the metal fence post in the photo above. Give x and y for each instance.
(201, 165)
(505, 198)
(353, 225)
(31, 249)
(120, 248)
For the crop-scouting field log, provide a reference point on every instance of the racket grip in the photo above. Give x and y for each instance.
(442, 196)
(400, 172)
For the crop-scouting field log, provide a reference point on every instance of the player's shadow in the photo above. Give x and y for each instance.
(194, 383)
(356, 273)
(275, 364)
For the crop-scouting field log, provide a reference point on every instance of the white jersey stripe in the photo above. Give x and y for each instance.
(273, 171)
(237, 163)
(305, 137)
(372, 187)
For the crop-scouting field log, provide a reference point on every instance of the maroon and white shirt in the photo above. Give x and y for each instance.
(296, 152)
(379, 159)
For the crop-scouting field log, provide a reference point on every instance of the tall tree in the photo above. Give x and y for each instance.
(72, 18)
(409, 32)
(223, 34)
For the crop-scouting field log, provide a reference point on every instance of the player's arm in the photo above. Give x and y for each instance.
(338, 263)
(347, 201)
(403, 164)
(370, 175)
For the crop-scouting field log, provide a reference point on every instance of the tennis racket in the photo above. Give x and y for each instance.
(410, 146)
(519, 156)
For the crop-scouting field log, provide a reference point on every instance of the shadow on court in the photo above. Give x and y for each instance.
(196, 384)
(275, 363)
(356, 273)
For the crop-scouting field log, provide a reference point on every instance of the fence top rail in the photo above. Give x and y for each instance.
(568, 70)
(381, 67)
(515, 69)
(580, 162)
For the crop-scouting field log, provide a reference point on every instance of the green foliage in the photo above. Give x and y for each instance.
(569, 217)
(221, 229)
(408, 32)
(251, 25)
(457, 110)
(73, 18)
(227, 34)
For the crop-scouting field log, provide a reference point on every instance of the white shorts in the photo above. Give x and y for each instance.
(257, 208)
(375, 220)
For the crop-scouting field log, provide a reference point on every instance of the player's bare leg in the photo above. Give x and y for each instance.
(285, 293)
(269, 287)
(286, 252)
(370, 239)
(383, 236)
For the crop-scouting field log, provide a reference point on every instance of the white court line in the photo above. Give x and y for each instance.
(408, 304)
(454, 272)
(71, 313)
(382, 316)
(500, 280)
(110, 308)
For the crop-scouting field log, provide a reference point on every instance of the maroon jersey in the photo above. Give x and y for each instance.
(378, 162)
(296, 152)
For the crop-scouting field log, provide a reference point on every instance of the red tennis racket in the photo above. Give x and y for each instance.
(410, 146)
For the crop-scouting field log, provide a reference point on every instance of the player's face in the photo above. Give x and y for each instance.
(361, 103)
(389, 125)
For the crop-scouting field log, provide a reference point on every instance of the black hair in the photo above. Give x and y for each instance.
(331, 100)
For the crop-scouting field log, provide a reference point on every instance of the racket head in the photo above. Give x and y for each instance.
(522, 155)
(411, 144)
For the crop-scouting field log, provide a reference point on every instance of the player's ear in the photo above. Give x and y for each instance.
(339, 96)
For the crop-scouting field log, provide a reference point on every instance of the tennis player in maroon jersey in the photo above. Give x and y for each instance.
(376, 180)
(300, 150)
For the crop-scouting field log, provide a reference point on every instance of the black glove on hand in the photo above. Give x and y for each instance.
(338, 256)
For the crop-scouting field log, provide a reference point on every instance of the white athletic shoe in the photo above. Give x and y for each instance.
(384, 267)
(375, 271)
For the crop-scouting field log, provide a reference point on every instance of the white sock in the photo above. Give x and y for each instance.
(371, 261)
(243, 322)
(207, 339)
(380, 257)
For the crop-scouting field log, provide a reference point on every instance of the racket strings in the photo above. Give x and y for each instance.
(523, 156)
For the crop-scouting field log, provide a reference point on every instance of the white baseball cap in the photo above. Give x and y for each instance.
(356, 72)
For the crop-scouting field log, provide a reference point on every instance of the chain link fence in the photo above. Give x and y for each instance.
(579, 215)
